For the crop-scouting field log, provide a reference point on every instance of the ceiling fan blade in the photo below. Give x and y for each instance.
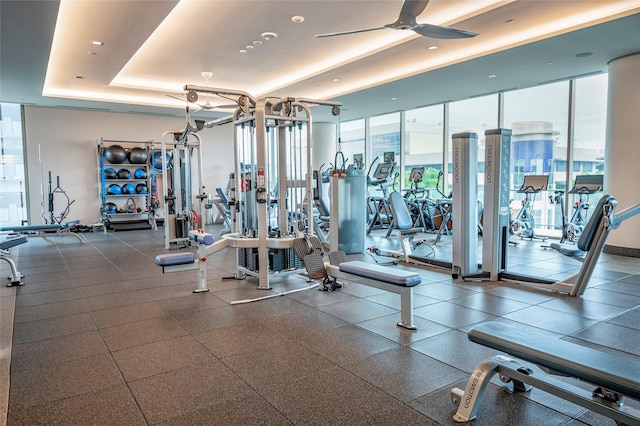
(177, 98)
(351, 32)
(411, 9)
(436, 31)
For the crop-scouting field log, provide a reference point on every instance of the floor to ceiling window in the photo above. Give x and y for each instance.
(423, 147)
(538, 118)
(13, 197)
(589, 138)
(385, 140)
(352, 141)
(474, 115)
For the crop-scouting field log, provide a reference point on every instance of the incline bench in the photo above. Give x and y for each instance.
(613, 376)
(394, 280)
(16, 277)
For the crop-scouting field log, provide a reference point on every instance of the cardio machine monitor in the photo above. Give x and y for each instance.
(383, 171)
(416, 174)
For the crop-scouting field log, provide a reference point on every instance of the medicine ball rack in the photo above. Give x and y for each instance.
(126, 185)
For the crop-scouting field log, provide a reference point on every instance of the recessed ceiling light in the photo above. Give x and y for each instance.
(242, 51)
(335, 80)
(549, 63)
(91, 53)
(80, 77)
(297, 19)
(248, 46)
(394, 99)
(584, 54)
(432, 47)
(97, 43)
(492, 76)
(510, 21)
(268, 35)
(257, 42)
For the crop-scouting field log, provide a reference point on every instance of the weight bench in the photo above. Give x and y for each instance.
(187, 261)
(613, 376)
(16, 277)
(60, 229)
(385, 278)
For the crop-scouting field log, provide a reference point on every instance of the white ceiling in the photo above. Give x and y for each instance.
(153, 48)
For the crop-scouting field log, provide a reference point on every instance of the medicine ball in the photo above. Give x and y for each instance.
(128, 188)
(109, 173)
(110, 208)
(115, 154)
(157, 160)
(141, 188)
(124, 174)
(140, 174)
(114, 189)
(137, 156)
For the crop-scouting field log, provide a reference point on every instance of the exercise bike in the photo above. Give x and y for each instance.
(523, 225)
(584, 186)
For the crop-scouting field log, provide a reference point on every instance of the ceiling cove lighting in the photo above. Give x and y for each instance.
(498, 44)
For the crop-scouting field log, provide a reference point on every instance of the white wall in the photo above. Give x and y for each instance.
(68, 144)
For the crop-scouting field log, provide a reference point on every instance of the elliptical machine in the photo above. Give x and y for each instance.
(378, 210)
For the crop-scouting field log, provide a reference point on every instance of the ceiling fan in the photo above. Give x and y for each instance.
(411, 9)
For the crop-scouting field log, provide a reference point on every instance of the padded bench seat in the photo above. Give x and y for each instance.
(591, 365)
(613, 377)
(171, 259)
(395, 280)
(381, 273)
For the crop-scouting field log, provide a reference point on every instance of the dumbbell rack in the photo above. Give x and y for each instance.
(124, 217)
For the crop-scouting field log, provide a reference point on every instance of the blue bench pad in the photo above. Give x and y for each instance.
(591, 365)
(175, 259)
(381, 273)
(201, 238)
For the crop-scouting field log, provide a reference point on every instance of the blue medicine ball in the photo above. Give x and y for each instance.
(109, 173)
(140, 174)
(157, 160)
(124, 174)
(128, 188)
(141, 188)
(110, 208)
(114, 189)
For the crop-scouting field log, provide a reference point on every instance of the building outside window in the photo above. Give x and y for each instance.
(474, 115)
(538, 118)
(13, 195)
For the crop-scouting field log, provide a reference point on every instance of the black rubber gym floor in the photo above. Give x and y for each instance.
(101, 336)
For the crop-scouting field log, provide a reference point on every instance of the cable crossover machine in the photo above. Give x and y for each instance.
(271, 199)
